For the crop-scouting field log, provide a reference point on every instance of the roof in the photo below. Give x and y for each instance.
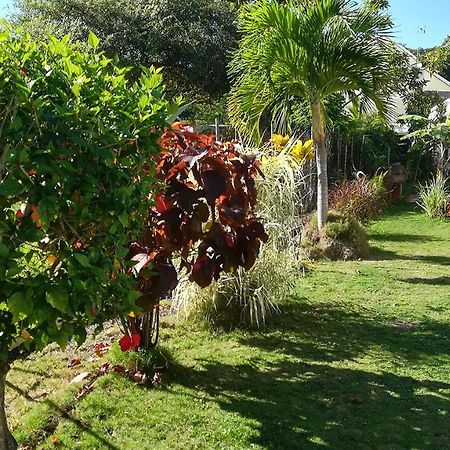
(420, 65)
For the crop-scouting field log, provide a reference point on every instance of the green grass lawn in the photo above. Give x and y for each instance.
(359, 359)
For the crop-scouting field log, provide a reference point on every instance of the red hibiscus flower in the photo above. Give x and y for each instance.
(130, 342)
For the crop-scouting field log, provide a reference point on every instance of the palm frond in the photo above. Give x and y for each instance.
(290, 51)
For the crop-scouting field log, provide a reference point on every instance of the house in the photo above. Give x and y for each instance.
(434, 82)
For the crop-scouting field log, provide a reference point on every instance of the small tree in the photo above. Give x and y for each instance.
(204, 216)
(431, 137)
(76, 141)
(309, 51)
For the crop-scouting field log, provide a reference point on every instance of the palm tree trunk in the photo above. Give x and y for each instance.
(7, 441)
(319, 139)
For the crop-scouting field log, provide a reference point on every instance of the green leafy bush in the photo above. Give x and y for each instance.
(362, 199)
(433, 196)
(342, 238)
(76, 141)
(370, 140)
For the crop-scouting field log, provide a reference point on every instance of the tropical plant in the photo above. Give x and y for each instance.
(433, 197)
(423, 103)
(362, 199)
(309, 51)
(371, 142)
(76, 141)
(437, 59)
(299, 151)
(250, 297)
(431, 137)
(204, 215)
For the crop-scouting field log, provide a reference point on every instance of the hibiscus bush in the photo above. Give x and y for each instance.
(76, 170)
(204, 217)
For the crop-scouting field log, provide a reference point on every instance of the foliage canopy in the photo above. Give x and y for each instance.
(189, 38)
(75, 139)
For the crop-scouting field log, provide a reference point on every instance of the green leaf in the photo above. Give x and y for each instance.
(99, 274)
(11, 186)
(79, 285)
(123, 218)
(143, 101)
(82, 259)
(4, 250)
(47, 208)
(13, 271)
(16, 124)
(58, 297)
(19, 305)
(93, 40)
(76, 89)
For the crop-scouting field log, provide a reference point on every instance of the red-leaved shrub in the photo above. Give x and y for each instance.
(362, 199)
(204, 214)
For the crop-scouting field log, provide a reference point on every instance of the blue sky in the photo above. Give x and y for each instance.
(409, 16)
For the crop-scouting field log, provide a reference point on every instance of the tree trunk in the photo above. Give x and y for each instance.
(319, 139)
(7, 441)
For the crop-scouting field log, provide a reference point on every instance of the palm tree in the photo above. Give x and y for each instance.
(309, 50)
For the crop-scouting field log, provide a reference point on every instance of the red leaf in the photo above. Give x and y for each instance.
(73, 363)
(35, 217)
(215, 185)
(101, 349)
(119, 369)
(160, 204)
(104, 368)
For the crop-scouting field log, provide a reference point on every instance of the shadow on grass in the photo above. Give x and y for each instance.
(329, 333)
(401, 237)
(378, 254)
(299, 400)
(65, 414)
(29, 371)
(439, 281)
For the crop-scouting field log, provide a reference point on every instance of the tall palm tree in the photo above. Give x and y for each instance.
(309, 50)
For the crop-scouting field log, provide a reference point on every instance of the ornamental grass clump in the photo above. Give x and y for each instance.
(434, 197)
(362, 199)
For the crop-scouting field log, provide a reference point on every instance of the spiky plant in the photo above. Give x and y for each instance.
(433, 196)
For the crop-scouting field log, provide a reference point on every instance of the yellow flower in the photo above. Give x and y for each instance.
(279, 141)
(303, 152)
(308, 145)
(298, 151)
